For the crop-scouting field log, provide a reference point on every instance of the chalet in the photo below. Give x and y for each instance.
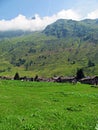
(69, 79)
(65, 79)
(26, 79)
(90, 80)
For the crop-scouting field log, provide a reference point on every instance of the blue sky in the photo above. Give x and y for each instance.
(45, 11)
(11, 8)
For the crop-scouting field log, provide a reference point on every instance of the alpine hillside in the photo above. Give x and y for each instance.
(60, 49)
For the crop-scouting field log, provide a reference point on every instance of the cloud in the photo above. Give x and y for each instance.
(93, 15)
(68, 14)
(36, 23)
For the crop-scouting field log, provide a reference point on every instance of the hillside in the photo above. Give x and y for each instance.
(60, 49)
(10, 34)
(85, 30)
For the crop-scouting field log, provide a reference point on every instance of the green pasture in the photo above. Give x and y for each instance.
(47, 106)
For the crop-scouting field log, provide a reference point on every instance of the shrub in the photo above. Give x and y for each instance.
(16, 77)
(79, 74)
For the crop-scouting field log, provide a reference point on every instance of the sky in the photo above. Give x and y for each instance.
(35, 15)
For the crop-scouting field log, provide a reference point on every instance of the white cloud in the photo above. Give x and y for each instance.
(93, 15)
(37, 23)
(68, 14)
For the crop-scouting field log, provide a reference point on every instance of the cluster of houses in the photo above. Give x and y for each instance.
(87, 80)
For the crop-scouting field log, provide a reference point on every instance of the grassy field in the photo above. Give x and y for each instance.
(47, 106)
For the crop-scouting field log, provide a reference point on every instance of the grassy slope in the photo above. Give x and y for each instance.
(47, 106)
(51, 57)
(60, 49)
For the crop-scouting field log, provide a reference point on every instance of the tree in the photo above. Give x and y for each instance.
(79, 74)
(90, 63)
(36, 78)
(16, 77)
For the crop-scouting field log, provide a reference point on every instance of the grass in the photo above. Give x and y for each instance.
(47, 106)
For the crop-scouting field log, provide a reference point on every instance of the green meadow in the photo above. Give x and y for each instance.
(47, 106)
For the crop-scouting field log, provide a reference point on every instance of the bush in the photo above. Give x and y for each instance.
(79, 74)
(16, 77)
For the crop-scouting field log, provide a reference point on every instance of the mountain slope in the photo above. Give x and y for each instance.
(11, 34)
(85, 30)
(60, 49)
